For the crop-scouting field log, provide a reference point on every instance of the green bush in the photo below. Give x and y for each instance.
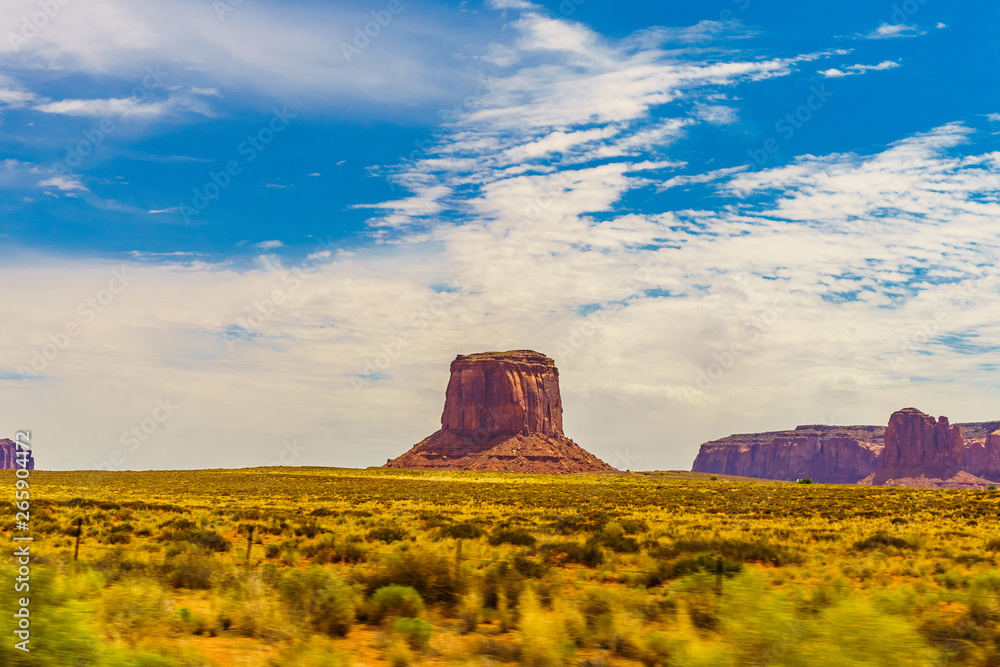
(431, 576)
(617, 543)
(881, 539)
(416, 632)
(588, 554)
(516, 536)
(328, 549)
(702, 563)
(132, 608)
(387, 534)
(207, 539)
(462, 531)
(746, 551)
(188, 566)
(325, 602)
(394, 601)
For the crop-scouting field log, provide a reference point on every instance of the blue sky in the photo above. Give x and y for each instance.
(726, 217)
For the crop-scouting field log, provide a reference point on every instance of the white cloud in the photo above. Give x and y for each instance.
(708, 177)
(25, 176)
(126, 107)
(894, 30)
(293, 54)
(109, 107)
(14, 95)
(716, 114)
(269, 245)
(995, 117)
(852, 70)
(64, 183)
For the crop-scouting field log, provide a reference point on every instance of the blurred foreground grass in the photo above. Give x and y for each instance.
(390, 567)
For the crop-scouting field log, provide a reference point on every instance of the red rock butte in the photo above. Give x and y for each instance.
(502, 412)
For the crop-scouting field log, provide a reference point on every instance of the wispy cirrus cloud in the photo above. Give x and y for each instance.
(127, 107)
(568, 97)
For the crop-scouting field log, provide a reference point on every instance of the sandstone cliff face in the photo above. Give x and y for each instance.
(502, 412)
(503, 394)
(824, 454)
(921, 451)
(982, 457)
(8, 456)
(916, 440)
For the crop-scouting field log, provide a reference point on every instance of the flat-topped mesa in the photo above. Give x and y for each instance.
(502, 412)
(503, 393)
(833, 454)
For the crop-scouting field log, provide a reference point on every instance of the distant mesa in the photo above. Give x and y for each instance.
(913, 450)
(825, 454)
(502, 412)
(9, 458)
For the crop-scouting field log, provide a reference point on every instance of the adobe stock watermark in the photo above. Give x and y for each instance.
(32, 25)
(751, 330)
(138, 434)
(713, 29)
(87, 311)
(265, 309)
(904, 11)
(790, 123)
(641, 278)
(363, 35)
(289, 454)
(94, 137)
(933, 326)
(22, 503)
(393, 348)
(248, 150)
(624, 460)
(421, 146)
(223, 7)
